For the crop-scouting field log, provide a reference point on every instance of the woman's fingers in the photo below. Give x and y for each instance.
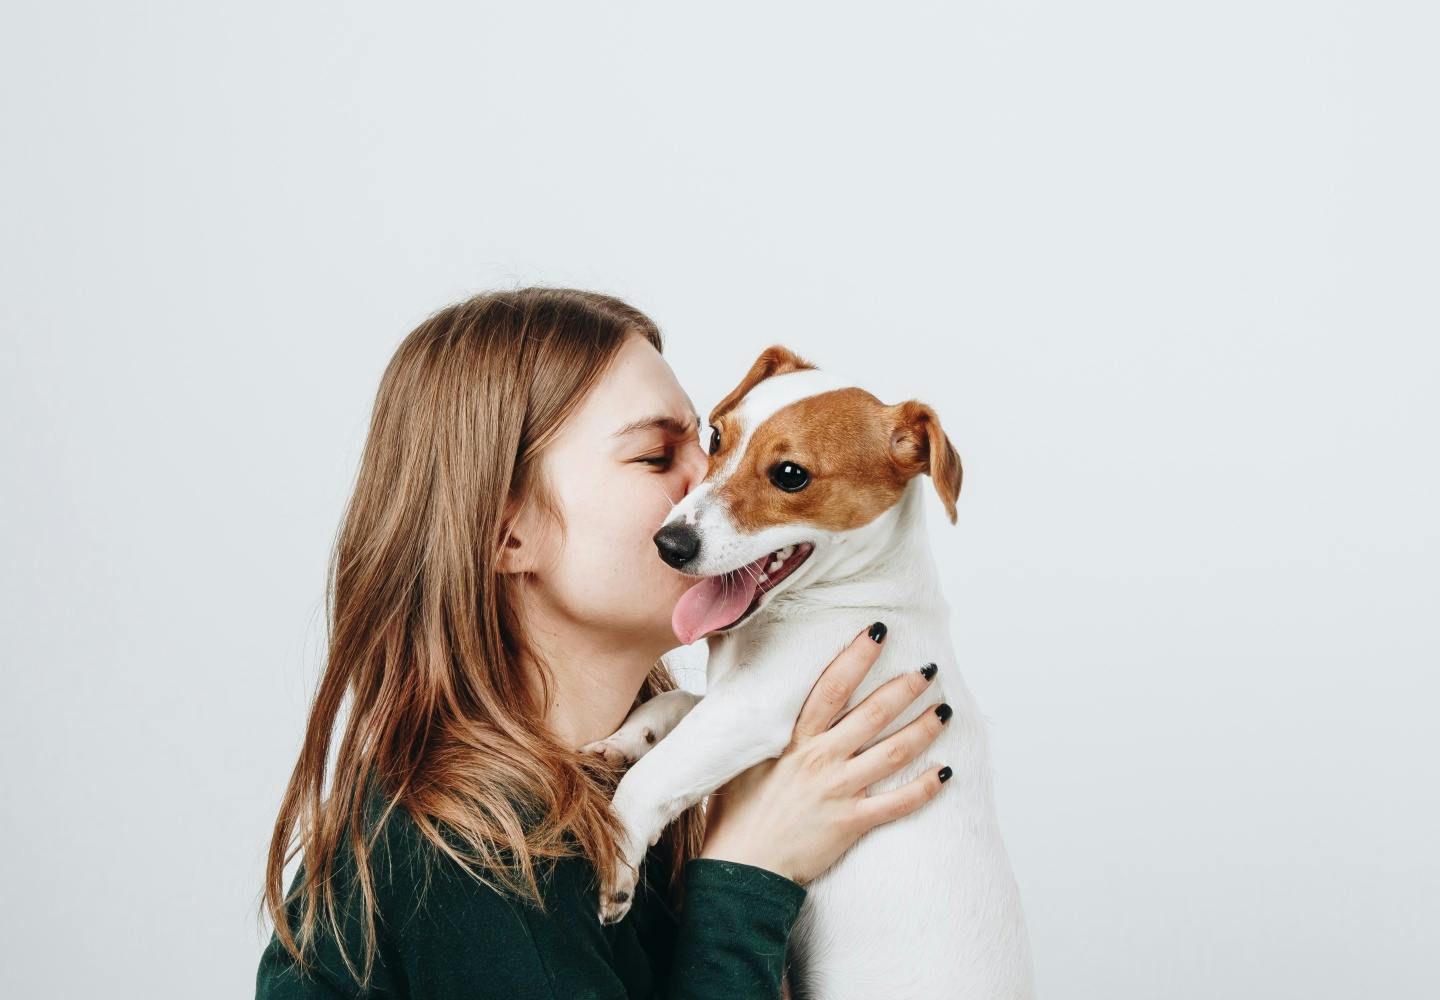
(896, 750)
(838, 682)
(879, 708)
(873, 810)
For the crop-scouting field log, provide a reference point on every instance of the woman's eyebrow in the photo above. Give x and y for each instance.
(664, 422)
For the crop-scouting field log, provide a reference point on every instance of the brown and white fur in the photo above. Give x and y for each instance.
(924, 906)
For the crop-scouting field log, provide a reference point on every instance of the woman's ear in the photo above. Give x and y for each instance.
(511, 555)
(918, 444)
(522, 540)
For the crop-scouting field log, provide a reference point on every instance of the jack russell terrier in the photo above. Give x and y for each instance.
(810, 520)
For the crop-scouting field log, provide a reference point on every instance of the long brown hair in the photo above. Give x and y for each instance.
(425, 634)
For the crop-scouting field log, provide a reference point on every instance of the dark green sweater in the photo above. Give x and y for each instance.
(459, 939)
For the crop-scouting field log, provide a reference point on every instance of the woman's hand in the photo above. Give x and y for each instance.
(797, 813)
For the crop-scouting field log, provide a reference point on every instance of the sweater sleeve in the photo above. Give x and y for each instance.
(734, 929)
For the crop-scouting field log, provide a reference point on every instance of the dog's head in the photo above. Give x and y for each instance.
(799, 463)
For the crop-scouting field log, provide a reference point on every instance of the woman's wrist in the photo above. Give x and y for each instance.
(739, 854)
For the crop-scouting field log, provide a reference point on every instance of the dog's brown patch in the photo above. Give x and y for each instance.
(859, 452)
(776, 359)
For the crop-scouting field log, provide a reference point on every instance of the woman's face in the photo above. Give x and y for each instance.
(627, 454)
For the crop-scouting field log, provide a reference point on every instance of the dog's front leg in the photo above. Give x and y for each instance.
(732, 728)
(649, 723)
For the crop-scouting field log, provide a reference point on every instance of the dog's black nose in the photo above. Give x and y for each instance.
(678, 543)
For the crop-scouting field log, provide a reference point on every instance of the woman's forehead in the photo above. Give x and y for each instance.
(638, 392)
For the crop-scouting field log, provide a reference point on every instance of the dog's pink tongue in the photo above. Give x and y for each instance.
(713, 603)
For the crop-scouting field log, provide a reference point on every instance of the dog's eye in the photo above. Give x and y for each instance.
(789, 477)
(714, 440)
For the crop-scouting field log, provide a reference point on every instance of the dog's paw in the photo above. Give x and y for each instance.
(624, 746)
(617, 896)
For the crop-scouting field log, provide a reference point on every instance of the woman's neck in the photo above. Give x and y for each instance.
(596, 681)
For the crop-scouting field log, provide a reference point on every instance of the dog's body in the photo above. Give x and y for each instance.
(923, 906)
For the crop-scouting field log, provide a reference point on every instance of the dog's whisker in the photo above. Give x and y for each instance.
(673, 503)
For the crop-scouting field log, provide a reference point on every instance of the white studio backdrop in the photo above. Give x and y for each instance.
(1167, 271)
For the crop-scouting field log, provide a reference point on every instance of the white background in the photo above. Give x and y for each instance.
(1167, 270)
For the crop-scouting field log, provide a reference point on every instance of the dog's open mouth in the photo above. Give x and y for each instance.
(719, 602)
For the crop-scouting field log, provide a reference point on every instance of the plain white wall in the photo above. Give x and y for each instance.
(1168, 271)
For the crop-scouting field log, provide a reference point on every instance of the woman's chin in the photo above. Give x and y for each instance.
(660, 629)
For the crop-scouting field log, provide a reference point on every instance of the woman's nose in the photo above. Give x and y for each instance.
(696, 464)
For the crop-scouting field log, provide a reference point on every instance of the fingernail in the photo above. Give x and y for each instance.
(877, 631)
(943, 710)
(945, 773)
(928, 671)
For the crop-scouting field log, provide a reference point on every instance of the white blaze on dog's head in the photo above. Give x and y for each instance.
(799, 459)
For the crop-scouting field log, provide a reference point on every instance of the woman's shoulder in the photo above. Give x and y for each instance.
(418, 878)
(426, 885)
(448, 925)
(414, 875)
(435, 922)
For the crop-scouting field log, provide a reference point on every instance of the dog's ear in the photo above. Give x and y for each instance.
(918, 444)
(774, 360)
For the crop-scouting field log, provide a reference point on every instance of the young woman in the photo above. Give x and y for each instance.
(496, 604)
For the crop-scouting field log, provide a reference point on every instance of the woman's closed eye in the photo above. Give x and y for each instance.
(661, 462)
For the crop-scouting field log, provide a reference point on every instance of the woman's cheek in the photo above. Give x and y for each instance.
(649, 577)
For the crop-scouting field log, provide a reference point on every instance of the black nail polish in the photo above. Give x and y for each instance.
(943, 710)
(928, 671)
(877, 631)
(945, 773)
